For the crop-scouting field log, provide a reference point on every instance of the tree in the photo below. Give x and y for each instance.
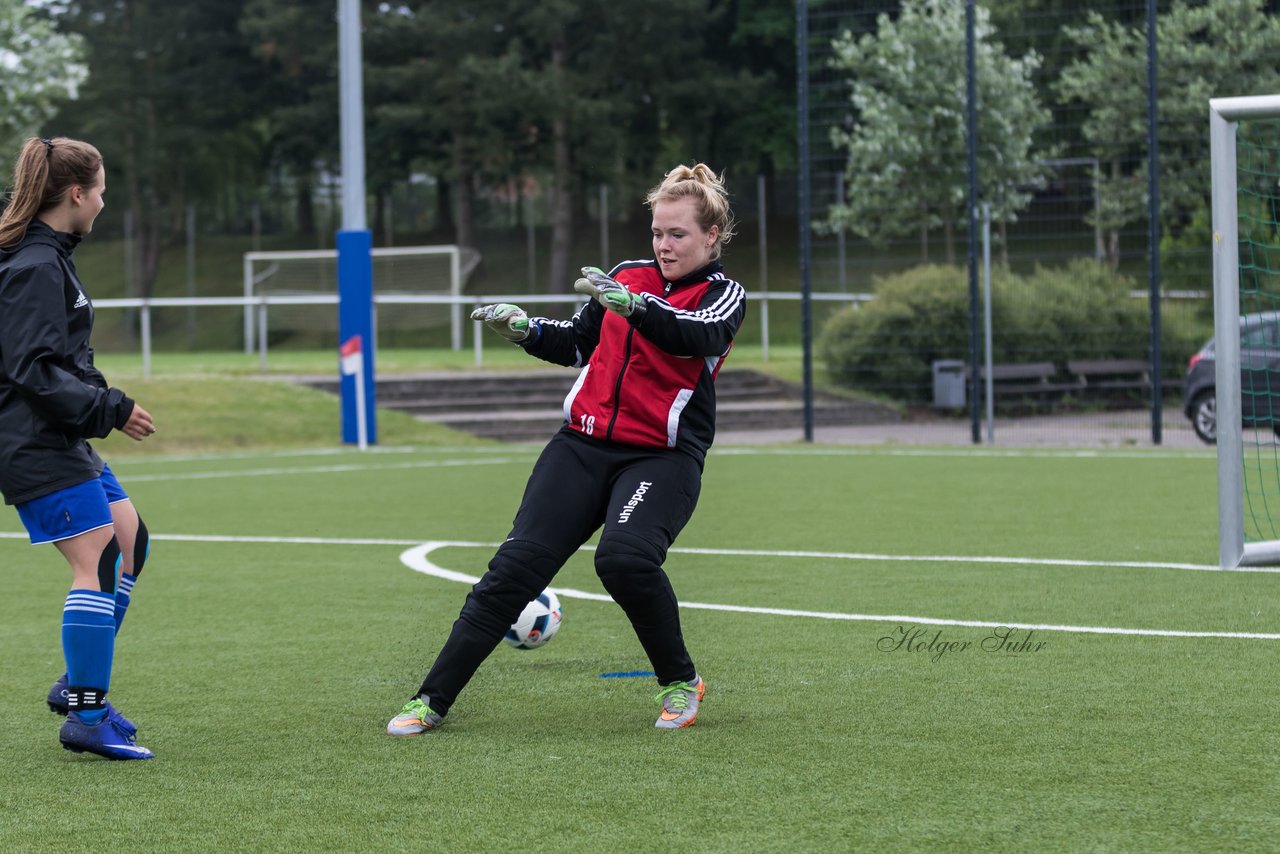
(906, 170)
(562, 93)
(156, 104)
(296, 45)
(446, 92)
(40, 67)
(1220, 48)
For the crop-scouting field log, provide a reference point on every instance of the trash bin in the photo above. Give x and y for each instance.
(948, 384)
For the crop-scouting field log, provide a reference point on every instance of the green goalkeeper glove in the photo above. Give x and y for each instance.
(506, 319)
(609, 292)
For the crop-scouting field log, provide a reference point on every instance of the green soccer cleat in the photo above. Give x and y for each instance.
(414, 719)
(680, 704)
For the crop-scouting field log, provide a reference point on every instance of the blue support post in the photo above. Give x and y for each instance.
(355, 318)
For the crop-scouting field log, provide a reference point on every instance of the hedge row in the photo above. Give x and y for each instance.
(1079, 311)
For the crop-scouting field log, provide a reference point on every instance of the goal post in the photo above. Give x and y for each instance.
(1252, 538)
(396, 270)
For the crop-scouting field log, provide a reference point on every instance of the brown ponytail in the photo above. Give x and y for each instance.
(45, 170)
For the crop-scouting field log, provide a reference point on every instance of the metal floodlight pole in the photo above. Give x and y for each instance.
(351, 104)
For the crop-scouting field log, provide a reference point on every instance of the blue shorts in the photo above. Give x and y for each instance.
(72, 511)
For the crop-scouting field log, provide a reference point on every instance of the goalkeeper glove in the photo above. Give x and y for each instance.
(609, 292)
(506, 319)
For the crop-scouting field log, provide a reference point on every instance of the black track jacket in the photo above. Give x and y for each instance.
(52, 398)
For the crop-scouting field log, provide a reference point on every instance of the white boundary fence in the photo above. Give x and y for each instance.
(259, 306)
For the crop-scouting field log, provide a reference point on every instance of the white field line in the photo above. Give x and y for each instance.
(373, 450)
(728, 451)
(483, 457)
(786, 553)
(416, 558)
(288, 470)
(1029, 453)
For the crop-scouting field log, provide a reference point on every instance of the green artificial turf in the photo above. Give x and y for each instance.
(276, 629)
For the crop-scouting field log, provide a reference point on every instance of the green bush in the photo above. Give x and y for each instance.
(889, 344)
(1077, 311)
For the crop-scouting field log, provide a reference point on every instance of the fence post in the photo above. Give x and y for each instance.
(262, 335)
(191, 272)
(248, 309)
(764, 269)
(531, 243)
(146, 340)
(840, 253)
(1153, 232)
(604, 226)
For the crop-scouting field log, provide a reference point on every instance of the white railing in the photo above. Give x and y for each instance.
(262, 303)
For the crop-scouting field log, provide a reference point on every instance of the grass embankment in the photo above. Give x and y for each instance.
(224, 401)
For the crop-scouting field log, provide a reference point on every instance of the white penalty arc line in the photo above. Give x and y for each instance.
(417, 559)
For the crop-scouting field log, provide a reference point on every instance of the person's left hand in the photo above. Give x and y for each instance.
(139, 425)
(609, 292)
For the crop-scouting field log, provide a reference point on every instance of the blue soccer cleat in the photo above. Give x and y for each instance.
(105, 738)
(57, 701)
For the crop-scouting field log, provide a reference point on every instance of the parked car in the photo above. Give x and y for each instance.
(1259, 378)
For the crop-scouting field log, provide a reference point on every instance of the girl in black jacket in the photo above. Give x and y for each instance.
(52, 400)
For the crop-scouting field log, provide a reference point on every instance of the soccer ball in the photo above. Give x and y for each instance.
(537, 623)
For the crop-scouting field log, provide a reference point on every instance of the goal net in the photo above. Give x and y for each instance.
(305, 285)
(1245, 159)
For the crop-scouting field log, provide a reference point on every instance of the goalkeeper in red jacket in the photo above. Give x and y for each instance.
(629, 458)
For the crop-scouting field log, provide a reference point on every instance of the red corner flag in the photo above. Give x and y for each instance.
(352, 356)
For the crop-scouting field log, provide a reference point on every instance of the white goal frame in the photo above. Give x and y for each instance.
(456, 275)
(1224, 116)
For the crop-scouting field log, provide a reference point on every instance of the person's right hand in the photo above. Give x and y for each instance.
(609, 292)
(506, 319)
(139, 426)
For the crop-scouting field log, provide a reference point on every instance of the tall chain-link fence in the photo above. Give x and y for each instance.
(1062, 176)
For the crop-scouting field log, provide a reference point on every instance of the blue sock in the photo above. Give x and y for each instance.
(124, 592)
(88, 643)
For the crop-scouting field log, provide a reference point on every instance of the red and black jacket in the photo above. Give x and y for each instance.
(648, 380)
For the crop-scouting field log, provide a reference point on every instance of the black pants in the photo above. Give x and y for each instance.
(642, 497)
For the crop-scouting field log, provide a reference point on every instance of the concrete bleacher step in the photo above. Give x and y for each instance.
(518, 406)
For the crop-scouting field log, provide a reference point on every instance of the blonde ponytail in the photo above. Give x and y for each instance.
(702, 184)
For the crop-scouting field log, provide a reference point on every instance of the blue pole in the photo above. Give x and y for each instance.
(355, 318)
(354, 242)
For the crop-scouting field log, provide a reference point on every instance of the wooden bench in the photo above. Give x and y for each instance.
(1024, 386)
(1022, 378)
(1110, 374)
